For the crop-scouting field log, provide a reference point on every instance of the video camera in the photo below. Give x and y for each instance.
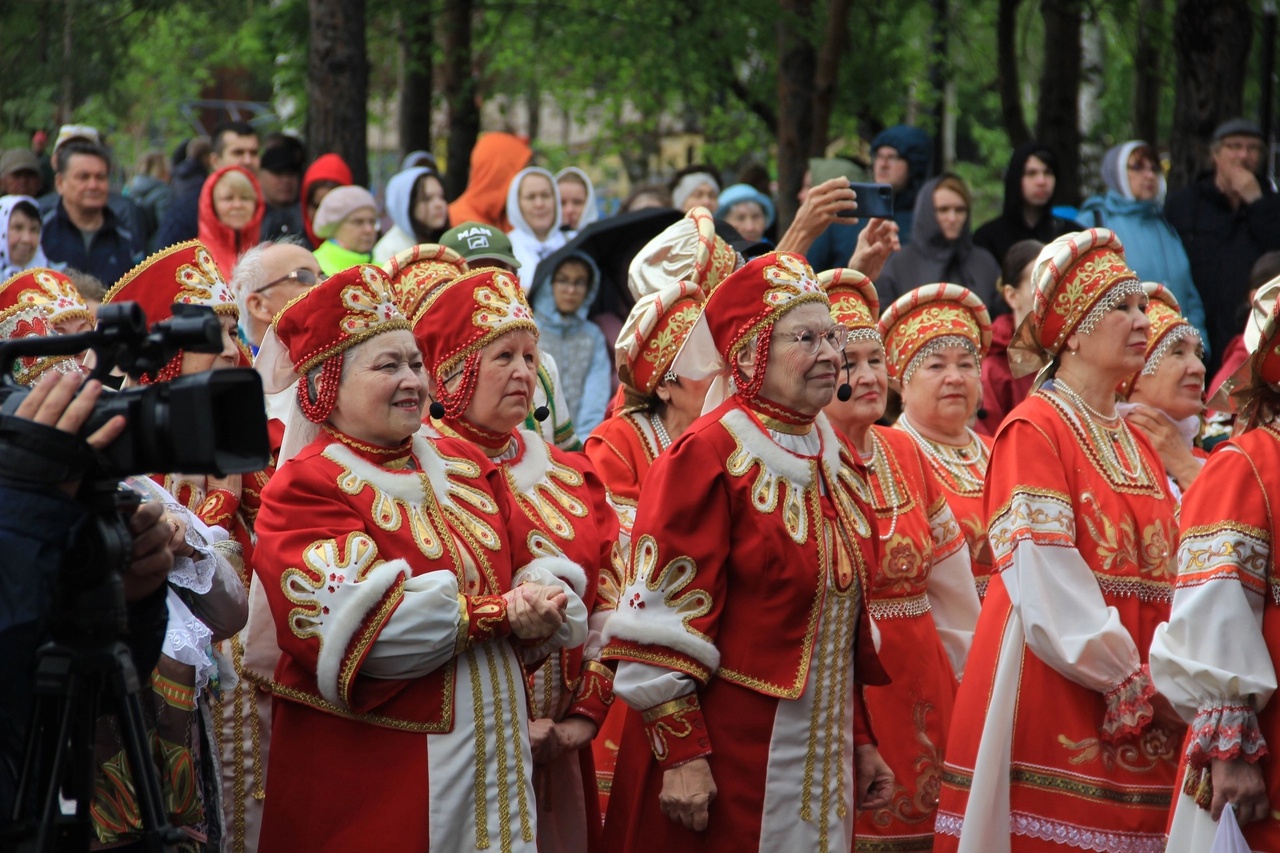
(207, 423)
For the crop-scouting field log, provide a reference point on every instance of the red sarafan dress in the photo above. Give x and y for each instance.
(962, 473)
(1216, 659)
(621, 449)
(397, 684)
(922, 599)
(563, 510)
(737, 634)
(1052, 746)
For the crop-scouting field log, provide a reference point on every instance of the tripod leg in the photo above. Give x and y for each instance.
(133, 733)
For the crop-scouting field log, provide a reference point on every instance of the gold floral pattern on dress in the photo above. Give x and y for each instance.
(902, 568)
(1155, 746)
(918, 804)
(1121, 551)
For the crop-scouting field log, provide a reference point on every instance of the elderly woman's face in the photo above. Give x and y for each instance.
(383, 390)
(863, 367)
(944, 390)
(504, 388)
(1177, 386)
(703, 195)
(359, 231)
(1118, 345)
(804, 382)
(199, 362)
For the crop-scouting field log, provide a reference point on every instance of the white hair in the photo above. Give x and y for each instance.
(250, 273)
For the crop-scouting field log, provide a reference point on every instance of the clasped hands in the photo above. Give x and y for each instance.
(536, 611)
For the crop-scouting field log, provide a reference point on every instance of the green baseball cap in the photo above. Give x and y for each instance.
(478, 242)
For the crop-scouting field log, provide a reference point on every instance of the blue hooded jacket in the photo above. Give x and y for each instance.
(1151, 246)
(579, 348)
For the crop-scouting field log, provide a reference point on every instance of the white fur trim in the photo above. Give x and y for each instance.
(657, 625)
(404, 486)
(830, 446)
(549, 569)
(348, 607)
(777, 461)
(532, 466)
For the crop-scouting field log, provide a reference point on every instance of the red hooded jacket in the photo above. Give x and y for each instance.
(223, 242)
(327, 167)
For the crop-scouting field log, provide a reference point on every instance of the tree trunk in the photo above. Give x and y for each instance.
(1058, 118)
(338, 84)
(416, 84)
(1093, 60)
(1146, 72)
(834, 42)
(460, 95)
(1211, 40)
(1015, 120)
(66, 102)
(796, 68)
(939, 76)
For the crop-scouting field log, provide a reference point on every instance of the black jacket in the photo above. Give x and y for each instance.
(1222, 245)
(110, 254)
(1011, 226)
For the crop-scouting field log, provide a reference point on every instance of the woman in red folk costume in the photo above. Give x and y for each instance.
(1165, 400)
(481, 351)
(392, 576)
(658, 406)
(921, 593)
(936, 336)
(1216, 658)
(1058, 739)
(208, 599)
(738, 632)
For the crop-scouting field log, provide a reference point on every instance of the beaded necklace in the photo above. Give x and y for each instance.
(1109, 435)
(660, 429)
(965, 466)
(880, 467)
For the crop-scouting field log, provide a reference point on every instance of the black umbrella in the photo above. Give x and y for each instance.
(612, 243)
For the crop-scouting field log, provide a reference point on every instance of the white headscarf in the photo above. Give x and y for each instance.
(7, 267)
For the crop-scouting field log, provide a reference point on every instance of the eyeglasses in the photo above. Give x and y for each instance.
(810, 340)
(888, 157)
(304, 277)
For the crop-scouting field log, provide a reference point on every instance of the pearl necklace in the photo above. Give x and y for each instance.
(660, 429)
(967, 470)
(880, 466)
(1110, 435)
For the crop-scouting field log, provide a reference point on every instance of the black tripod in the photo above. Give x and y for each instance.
(85, 671)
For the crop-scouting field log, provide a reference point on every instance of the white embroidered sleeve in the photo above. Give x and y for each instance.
(953, 600)
(1210, 659)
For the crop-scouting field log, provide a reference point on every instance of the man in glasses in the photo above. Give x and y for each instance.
(266, 279)
(1227, 219)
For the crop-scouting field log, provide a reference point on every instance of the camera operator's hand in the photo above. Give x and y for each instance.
(152, 554)
(50, 403)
